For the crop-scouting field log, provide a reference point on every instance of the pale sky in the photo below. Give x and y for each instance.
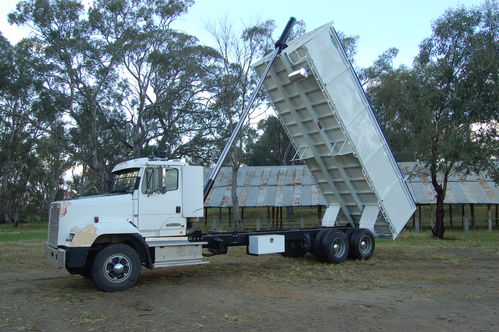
(380, 24)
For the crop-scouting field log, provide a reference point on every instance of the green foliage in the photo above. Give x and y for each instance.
(131, 83)
(166, 76)
(443, 111)
(273, 147)
(31, 167)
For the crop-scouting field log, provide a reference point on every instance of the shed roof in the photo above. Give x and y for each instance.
(472, 188)
(294, 186)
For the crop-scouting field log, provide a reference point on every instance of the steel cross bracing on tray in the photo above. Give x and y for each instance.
(322, 106)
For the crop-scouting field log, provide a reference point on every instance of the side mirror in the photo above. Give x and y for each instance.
(155, 181)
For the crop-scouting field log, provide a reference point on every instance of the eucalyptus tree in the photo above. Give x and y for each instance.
(164, 75)
(28, 119)
(458, 71)
(391, 92)
(444, 110)
(234, 84)
(131, 81)
(82, 68)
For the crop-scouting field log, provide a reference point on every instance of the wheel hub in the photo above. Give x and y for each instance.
(118, 268)
(338, 248)
(365, 244)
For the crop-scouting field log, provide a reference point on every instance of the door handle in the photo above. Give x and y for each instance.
(177, 209)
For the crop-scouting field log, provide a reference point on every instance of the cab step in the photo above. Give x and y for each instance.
(180, 263)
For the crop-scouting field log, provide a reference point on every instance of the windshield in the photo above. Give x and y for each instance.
(123, 181)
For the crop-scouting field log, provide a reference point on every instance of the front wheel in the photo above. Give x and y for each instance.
(116, 268)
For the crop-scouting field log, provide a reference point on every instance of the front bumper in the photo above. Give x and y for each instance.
(56, 256)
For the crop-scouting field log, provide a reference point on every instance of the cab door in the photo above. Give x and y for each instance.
(160, 202)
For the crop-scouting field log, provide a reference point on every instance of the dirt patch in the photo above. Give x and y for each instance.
(400, 288)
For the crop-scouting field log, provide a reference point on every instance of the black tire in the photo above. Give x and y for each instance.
(335, 247)
(349, 233)
(293, 249)
(317, 244)
(362, 244)
(116, 268)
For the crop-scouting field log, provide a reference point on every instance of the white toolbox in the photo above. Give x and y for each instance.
(266, 244)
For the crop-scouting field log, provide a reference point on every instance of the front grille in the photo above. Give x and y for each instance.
(54, 224)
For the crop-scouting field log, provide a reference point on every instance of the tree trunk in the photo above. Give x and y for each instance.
(235, 201)
(441, 190)
(15, 219)
(439, 229)
(4, 196)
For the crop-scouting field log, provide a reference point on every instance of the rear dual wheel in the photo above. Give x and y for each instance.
(335, 247)
(317, 244)
(330, 246)
(362, 244)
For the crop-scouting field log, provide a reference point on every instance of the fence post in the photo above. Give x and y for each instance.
(472, 215)
(450, 214)
(462, 214)
(489, 216)
(257, 222)
(214, 223)
(418, 220)
(466, 224)
(302, 223)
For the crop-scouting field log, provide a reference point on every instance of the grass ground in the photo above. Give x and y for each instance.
(21, 244)
(413, 283)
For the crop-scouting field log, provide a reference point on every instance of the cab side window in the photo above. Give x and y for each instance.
(168, 180)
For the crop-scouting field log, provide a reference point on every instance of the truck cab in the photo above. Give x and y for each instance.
(146, 207)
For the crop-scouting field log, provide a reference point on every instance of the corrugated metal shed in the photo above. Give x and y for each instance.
(472, 189)
(294, 186)
(266, 186)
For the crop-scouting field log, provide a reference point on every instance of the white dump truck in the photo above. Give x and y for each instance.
(145, 218)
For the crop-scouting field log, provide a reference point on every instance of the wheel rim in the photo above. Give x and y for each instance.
(117, 268)
(365, 245)
(338, 247)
